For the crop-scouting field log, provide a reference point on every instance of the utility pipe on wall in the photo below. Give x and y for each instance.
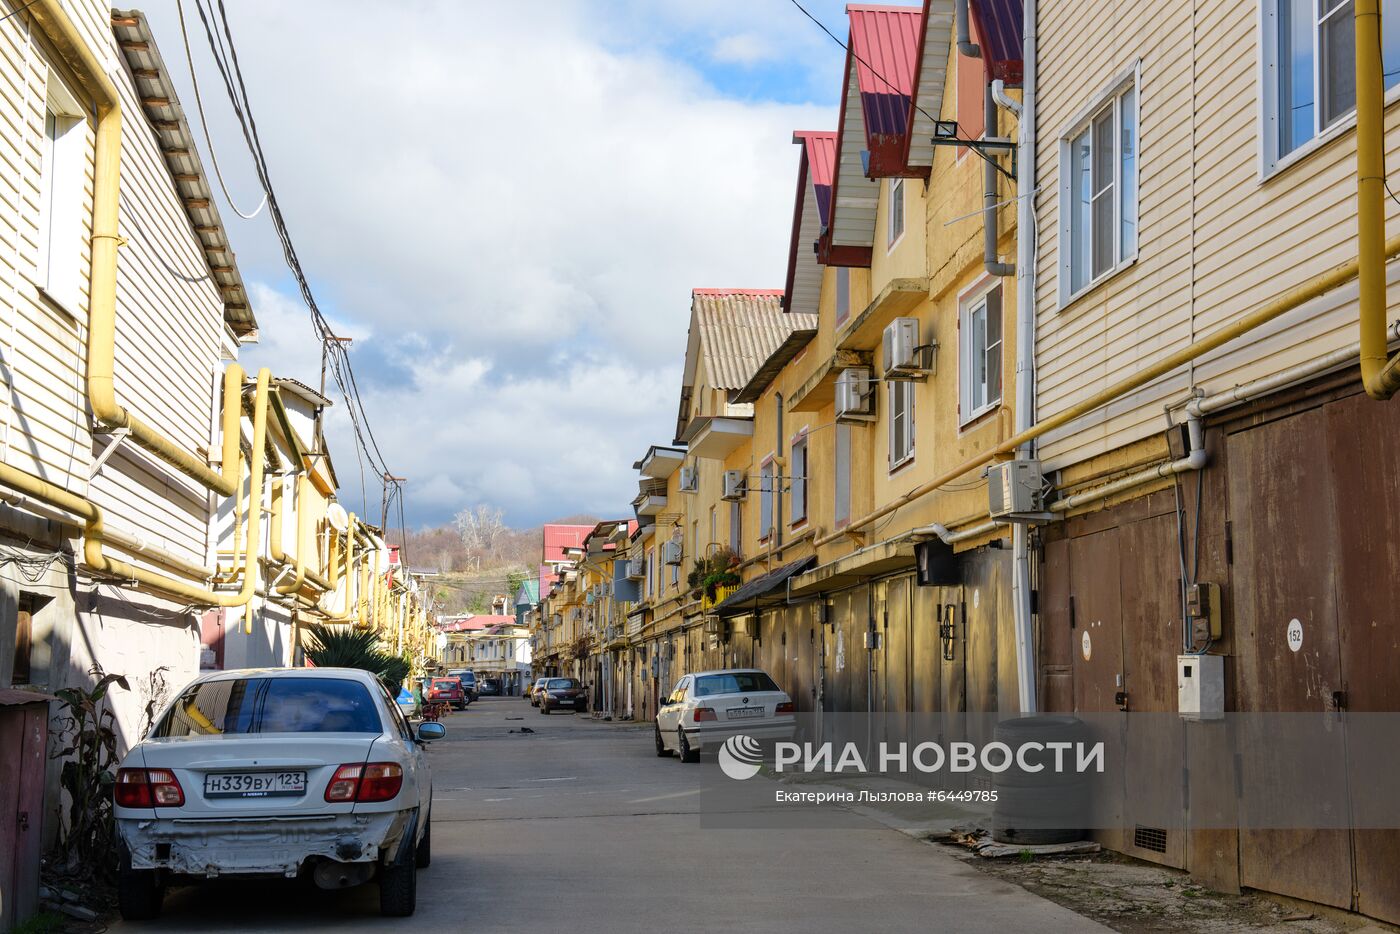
(1024, 411)
(1380, 372)
(1319, 285)
(102, 285)
(990, 257)
(964, 30)
(94, 535)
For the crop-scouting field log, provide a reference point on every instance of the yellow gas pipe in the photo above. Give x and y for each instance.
(92, 517)
(1380, 372)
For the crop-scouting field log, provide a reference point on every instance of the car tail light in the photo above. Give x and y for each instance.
(146, 788)
(785, 707)
(374, 781)
(381, 782)
(704, 713)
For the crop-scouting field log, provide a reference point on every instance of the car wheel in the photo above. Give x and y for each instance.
(423, 856)
(139, 894)
(687, 754)
(398, 890)
(661, 750)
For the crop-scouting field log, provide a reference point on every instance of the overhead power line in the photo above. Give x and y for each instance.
(888, 83)
(225, 54)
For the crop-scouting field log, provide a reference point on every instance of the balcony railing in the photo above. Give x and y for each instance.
(722, 593)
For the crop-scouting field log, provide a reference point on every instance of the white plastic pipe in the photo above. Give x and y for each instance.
(1025, 342)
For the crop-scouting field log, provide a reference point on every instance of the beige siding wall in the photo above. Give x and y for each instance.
(170, 315)
(1216, 239)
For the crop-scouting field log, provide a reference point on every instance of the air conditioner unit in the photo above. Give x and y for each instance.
(734, 485)
(671, 552)
(855, 395)
(636, 569)
(903, 355)
(714, 625)
(1016, 490)
(690, 479)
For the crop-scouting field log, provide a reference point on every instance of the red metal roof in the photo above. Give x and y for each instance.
(475, 623)
(816, 167)
(882, 56)
(559, 537)
(999, 24)
(884, 50)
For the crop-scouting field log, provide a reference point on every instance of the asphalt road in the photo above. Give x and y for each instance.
(578, 827)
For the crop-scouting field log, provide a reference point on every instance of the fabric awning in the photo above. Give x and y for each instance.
(762, 591)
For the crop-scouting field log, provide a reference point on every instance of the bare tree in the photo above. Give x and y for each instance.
(480, 527)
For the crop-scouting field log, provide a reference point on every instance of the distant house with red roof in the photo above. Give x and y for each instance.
(557, 540)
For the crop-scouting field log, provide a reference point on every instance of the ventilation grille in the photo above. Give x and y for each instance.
(1150, 838)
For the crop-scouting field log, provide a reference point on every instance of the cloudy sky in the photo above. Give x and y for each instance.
(506, 206)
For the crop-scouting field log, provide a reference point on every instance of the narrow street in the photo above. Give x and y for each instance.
(580, 827)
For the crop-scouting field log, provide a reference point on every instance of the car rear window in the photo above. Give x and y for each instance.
(272, 705)
(560, 684)
(734, 682)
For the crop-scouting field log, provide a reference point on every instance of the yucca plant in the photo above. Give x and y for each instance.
(346, 647)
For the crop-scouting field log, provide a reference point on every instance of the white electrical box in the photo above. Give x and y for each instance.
(1200, 687)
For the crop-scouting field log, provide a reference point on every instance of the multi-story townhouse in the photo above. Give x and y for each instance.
(133, 448)
(686, 520)
(112, 361)
(1198, 170)
(850, 428)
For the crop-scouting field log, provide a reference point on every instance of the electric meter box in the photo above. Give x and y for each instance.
(1200, 687)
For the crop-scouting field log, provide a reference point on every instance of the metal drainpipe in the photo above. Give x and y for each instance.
(1380, 372)
(778, 477)
(1024, 413)
(989, 195)
(965, 44)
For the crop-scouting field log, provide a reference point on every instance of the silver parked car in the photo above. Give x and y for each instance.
(277, 773)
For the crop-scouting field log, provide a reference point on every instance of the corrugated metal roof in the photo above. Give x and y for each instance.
(162, 110)
(884, 45)
(875, 100)
(999, 25)
(810, 212)
(739, 329)
(819, 155)
(559, 537)
(804, 329)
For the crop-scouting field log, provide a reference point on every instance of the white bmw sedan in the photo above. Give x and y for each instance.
(708, 707)
(277, 773)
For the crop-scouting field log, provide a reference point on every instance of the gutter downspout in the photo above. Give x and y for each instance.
(94, 534)
(102, 285)
(1380, 372)
(1024, 413)
(990, 257)
(964, 31)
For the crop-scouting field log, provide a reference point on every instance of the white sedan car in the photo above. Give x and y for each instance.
(276, 773)
(708, 707)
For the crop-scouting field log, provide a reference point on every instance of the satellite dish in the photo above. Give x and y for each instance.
(338, 518)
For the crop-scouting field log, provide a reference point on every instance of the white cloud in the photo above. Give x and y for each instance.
(507, 212)
(742, 49)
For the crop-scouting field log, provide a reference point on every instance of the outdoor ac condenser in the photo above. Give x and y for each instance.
(855, 395)
(1016, 490)
(734, 486)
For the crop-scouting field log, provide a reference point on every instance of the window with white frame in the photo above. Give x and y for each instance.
(62, 188)
(648, 574)
(901, 422)
(765, 501)
(1099, 192)
(1310, 68)
(841, 473)
(843, 293)
(979, 354)
(798, 484)
(896, 210)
